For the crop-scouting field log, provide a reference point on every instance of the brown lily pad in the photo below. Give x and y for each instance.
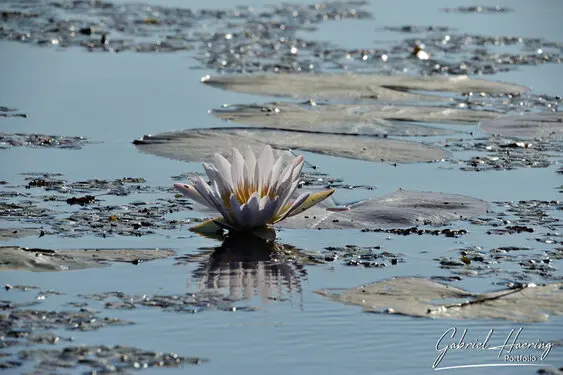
(358, 86)
(401, 208)
(419, 297)
(11, 233)
(196, 145)
(527, 125)
(19, 258)
(370, 119)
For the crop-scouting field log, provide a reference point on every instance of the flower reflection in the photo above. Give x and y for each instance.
(245, 266)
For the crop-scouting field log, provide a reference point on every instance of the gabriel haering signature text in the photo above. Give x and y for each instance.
(537, 350)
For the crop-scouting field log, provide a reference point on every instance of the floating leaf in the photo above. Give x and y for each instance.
(11, 233)
(419, 297)
(527, 125)
(356, 86)
(208, 228)
(401, 208)
(355, 119)
(197, 145)
(19, 258)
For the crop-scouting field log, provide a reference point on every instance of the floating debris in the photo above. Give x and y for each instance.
(505, 153)
(478, 9)
(446, 232)
(360, 256)
(39, 140)
(9, 112)
(104, 359)
(418, 29)
(220, 39)
(87, 199)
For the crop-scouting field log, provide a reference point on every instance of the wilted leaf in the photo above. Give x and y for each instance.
(350, 86)
(197, 145)
(527, 125)
(419, 297)
(11, 233)
(401, 208)
(370, 119)
(18, 258)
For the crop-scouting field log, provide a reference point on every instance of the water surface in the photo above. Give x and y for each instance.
(112, 99)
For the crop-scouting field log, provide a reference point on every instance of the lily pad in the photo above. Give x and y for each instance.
(11, 233)
(527, 125)
(358, 86)
(18, 258)
(419, 297)
(367, 119)
(401, 208)
(196, 145)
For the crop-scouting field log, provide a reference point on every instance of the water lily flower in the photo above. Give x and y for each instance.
(251, 192)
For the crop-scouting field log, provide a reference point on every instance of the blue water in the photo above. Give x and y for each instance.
(113, 99)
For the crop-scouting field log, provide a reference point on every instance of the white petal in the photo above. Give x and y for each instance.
(268, 208)
(298, 162)
(250, 160)
(287, 174)
(219, 201)
(286, 194)
(275, 172)
(251, 210)
(203, 189)
(237, 168)
(266, 163)
(237, 213)
(190, 192)
(257, 177)
(208, 194)
(215, 176)
(284, 185)
(224, 168)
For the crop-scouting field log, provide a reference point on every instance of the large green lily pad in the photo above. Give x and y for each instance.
(19, 258)
(196, 145)
(527, 125)
(358, 86)
(354, 119)
(419, 297)
(401, 208)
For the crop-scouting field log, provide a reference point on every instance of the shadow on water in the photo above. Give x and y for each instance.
(247, 266)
